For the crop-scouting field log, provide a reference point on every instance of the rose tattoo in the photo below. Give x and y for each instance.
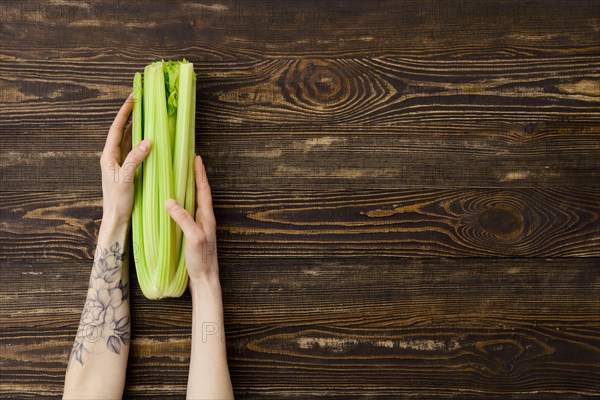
(104, 314)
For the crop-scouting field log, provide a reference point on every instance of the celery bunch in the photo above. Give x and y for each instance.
(163, 112)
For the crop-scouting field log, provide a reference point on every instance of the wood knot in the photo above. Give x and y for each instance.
(319, 83)
(502, 221)
(529, 129)
(325, 83)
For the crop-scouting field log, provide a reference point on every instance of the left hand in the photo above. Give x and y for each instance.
(117, 174)
(200, 233)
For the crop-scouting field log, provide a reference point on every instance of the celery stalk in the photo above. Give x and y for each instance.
(136, 217)
(164, 112)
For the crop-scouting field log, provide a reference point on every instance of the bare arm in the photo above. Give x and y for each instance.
(209, 374)
(99, 356)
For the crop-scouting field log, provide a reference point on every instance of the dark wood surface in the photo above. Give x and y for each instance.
(407, 192)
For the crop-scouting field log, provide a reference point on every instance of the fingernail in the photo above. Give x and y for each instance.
(144, 145)
(170, 203)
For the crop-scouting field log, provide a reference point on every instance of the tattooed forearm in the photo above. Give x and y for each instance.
(105, 316)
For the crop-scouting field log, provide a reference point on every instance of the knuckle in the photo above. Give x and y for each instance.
(105, 163)
(211, 223)
(181, 213)
(131, 158)
(138, 153)
(196, 240)
(128, 165)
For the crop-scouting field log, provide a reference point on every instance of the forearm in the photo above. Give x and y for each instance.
(99, 357)
(209, 374)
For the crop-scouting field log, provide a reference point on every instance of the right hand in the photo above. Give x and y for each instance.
(200, 234)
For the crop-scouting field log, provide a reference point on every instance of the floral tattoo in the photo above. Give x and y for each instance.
(105, 314)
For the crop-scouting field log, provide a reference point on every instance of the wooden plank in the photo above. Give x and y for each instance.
(371, 90)
(374, 159)
(355, 112)
(507, 128)
(300, 327)
(407, 192)
(293, 290)
(300, 27)
(43, 226)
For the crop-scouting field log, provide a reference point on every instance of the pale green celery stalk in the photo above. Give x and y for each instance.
(182, 139)
(136, 217)
(164, 183)
(171, 73)
(190, 192)
(184, 151)
(164, 112)
(150, 225)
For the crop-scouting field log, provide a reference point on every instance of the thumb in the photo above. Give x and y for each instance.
(137, 154)
(181, 217)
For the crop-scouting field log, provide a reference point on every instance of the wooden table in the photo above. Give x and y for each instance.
(407, 193)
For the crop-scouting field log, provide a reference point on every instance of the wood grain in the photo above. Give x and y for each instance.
(438, 326)
(341, 159)
(407, 192)
(381, 89)
(45, 226)
(301, 27)
(513, 106)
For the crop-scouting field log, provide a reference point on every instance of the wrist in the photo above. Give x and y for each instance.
(115, 219)
(113, 228)
(205, 286)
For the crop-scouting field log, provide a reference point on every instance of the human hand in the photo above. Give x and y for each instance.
(118, 174)
(200, 234)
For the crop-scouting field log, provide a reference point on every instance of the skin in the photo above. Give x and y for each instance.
(98, 361)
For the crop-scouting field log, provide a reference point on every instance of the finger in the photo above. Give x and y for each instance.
(115, 133)
(137, 155)
(204, 211)
(182, 218)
